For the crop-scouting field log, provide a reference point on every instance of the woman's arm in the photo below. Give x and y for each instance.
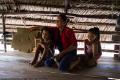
(69, 49)
(65, 51)
(70, 35)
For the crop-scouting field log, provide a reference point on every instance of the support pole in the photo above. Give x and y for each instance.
(4, 35)
(66, 6)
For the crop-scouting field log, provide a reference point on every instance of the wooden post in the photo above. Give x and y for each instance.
(66, 6)
(3, 21)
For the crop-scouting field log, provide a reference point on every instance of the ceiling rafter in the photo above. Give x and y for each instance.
(110, 16)
(54, 21)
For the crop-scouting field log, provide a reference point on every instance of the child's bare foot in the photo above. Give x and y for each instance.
(39, 64)
(33, 62)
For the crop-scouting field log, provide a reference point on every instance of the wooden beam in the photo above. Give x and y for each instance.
(62, 6)
(104, 50)
(35, 4)
(67, 4)
(23, 25)
(54, 21)
(102, 8)
(19, 25)
(75, 30)
(3, 21)
(110, 16)
(12, 24)
(103, 2)
(30, 19)
(94, 23)
(105, 7)
(28, 12)
(101, 32)
(110, 42)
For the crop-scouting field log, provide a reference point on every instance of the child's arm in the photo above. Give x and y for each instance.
(45, 50)
(95, 49)
(85, 49)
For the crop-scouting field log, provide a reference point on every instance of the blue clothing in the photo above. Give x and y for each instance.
(64, 63)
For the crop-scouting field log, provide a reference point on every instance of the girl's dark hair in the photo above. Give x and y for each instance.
(64, 18)
(95, 31)
(46, 29)
(50, 34)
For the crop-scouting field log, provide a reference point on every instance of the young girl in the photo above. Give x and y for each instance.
(93, 46)
(45, 48)
(92, 50)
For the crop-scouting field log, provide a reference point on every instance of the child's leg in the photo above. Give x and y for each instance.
(75, 64)
(38, 50)
(44, 56)
(91, 63)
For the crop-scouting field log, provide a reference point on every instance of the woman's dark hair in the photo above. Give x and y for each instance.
(95, 31)
(64, 18)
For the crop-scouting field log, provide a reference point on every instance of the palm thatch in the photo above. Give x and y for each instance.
(83, 14)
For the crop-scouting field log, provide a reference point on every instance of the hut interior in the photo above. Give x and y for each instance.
(17, 43)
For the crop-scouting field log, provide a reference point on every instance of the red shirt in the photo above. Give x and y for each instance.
(68, 38)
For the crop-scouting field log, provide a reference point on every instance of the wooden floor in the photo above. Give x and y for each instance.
(15, 66)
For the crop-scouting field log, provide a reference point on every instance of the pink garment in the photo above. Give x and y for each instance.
(89, 52)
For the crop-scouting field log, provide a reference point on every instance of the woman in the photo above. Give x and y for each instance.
(45, 48)
(66, 43)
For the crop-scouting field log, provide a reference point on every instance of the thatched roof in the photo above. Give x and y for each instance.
(83, 14)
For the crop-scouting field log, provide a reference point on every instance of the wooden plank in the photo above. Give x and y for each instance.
(12, 24)
(101, 32)
(112, 42)
(104, 50)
